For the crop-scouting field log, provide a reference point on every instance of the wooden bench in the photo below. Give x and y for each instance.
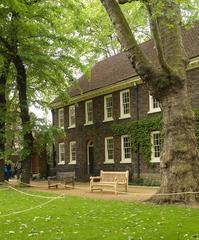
(112, 179)
(64, 178)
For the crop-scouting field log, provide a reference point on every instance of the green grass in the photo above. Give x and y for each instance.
(80, 218)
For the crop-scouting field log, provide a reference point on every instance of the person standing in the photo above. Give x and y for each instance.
(9, 167)
(6, 176)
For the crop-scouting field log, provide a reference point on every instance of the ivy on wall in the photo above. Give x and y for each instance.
(140, 133)
(197, 126)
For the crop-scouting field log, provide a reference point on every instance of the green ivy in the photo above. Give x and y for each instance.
(140, 133)
(197, 126)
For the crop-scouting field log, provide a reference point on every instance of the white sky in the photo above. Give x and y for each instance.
(40, 113)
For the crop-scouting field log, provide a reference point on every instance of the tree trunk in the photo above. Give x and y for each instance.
(25, 119)
(179, 158)
(168, 84)
(43, 163)
(3, 78)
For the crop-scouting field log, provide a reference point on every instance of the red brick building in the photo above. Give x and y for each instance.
(115, 94)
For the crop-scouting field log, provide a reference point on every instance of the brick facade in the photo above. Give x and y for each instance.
(96, 133)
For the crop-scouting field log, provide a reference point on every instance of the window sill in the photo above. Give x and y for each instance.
(155, 160)
(125, 116)
(87, 124)
(154, 111)
(71, 127)
(108, 120)
(61, 163)
(126, 161)
(109, 162)
(72, 163)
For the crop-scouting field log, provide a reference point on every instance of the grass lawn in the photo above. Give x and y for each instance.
(79, 218)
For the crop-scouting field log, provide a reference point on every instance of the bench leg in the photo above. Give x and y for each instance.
(116, 189)
(91, 187)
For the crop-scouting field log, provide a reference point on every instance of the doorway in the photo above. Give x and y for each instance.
(90, 158)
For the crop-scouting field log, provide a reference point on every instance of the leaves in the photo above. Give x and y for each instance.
(140, 132)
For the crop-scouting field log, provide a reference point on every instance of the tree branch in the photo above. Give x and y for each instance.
(125, 1)
(142, 65)
(157, 39)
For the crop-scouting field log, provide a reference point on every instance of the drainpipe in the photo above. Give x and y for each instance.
(53, 113)
(137, 118)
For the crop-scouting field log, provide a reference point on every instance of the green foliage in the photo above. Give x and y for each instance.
(100, 33)
(197, 126)
(45, 136)
(50, 49)
(140, 133)
(189, 10)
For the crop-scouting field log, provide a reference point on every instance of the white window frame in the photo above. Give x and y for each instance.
(108, 161)
(86, 113)
(73, 161)
(123, 159)
(106, 119)
(59, 119)
(69, 114)
(151, 108)
(60, 162)
(122, 115)
(153, 158)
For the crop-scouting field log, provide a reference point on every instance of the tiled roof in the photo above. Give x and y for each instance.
(118, 68)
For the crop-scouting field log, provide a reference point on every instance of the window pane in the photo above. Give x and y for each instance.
(61, 152)
(61, 117)
(73, 151)
(109, 149)
(155, 103)
(125, 102)
(156, 144)
(72, 115)
(89, 111)
(109, 107)
(127, 147)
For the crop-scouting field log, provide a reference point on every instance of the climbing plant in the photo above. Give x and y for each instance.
(140, 133)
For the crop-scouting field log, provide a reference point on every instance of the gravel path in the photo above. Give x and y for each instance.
(135, 193)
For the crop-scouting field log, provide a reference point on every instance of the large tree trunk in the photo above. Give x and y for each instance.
(25, 119)
(179, 158)
(3, 78)
(168, 84)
